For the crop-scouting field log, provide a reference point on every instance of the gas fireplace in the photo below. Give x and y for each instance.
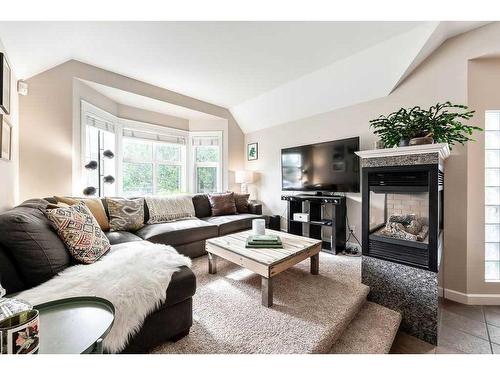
(402, 214)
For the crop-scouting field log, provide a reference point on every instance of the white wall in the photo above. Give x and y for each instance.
(155, 118)
(9, 170)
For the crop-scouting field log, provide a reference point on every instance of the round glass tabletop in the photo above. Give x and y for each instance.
(74, 325)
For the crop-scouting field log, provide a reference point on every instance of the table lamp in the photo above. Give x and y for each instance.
(244, 178)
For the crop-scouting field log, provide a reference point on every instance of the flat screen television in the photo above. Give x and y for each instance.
(327, 166)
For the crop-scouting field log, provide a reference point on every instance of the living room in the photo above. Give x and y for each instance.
(250, 186)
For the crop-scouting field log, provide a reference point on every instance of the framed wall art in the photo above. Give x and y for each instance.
(5, 77)
(5, 139)
(252, 151)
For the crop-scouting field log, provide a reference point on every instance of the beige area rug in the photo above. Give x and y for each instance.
(372, 331)
(309, 312)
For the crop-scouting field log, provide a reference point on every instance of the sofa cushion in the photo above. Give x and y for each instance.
(178, 232)
(125, 214)
(232, 223)
(121, 237)
(202, 205)
(80, 232)
(222, 204)
(28, 237)
(182, 286)
(193, 249)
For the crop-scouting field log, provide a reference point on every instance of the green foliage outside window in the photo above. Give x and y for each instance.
(138, 168)
(207, 179)
(137, 178)
(207, 154)
(168, 179)
(166, 152)
(132, 150)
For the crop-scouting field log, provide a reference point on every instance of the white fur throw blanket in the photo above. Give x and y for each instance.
(133, 276)
(169, 208)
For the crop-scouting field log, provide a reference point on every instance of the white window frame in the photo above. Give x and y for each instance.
(87, 109)
(219, 165)
(157, 162)
(125, 124)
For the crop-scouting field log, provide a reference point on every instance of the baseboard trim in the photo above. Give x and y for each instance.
(469, 299)
(440, 292)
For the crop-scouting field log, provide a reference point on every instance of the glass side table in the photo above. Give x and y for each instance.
(75, 325)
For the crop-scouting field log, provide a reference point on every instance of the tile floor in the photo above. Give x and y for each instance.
(462, 329)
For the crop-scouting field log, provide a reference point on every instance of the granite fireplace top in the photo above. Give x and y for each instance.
(409, 155)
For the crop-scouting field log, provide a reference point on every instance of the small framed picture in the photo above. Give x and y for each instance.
(252, 151)
(5, 139)
(5, 77)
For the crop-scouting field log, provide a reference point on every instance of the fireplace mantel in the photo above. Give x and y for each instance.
(409, 155)
(441, 148)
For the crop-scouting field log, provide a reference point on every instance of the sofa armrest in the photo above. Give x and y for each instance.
(182, 286)
(255, 208)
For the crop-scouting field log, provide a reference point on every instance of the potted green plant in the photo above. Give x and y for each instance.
(441, 123)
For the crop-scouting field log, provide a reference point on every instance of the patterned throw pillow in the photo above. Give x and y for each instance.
(222, 204)
(95, 206)
(79, 231)
(241, 201)
(125, 214)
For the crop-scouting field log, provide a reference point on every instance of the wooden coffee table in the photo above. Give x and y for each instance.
(266, 262)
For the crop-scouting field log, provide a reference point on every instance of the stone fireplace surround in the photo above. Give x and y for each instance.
(411, 290)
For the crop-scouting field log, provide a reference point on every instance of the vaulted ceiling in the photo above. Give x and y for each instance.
(266, 73)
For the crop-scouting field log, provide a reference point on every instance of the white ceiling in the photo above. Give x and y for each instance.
(261, 71)
(149, 104)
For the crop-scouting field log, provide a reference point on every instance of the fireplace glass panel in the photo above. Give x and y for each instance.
(402, 216)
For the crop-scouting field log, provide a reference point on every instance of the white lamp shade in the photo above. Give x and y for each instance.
(243, 177)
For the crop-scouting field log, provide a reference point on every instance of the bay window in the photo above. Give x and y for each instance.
(148, 159)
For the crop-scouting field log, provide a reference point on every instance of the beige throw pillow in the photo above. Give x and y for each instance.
(94, 205)
(170, 208)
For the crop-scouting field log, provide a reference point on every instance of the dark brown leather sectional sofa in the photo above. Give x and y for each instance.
(31, 253)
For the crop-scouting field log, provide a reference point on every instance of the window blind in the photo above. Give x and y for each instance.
(168, 138)
(99, 123)
(205, 141)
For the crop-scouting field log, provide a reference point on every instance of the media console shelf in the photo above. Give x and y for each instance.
(327, 219)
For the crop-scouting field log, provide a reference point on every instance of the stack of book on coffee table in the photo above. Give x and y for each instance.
(264, 241)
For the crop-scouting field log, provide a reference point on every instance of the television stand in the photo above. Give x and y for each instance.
(327, 219)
